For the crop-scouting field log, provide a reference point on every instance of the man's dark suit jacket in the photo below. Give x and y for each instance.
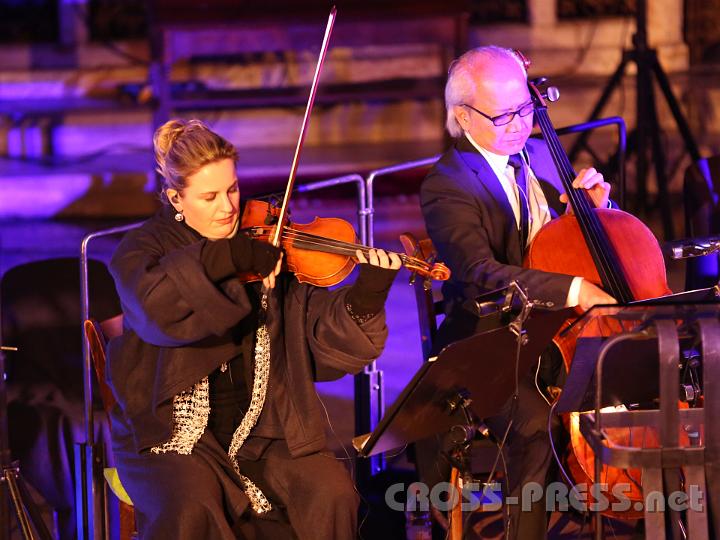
(471, 223)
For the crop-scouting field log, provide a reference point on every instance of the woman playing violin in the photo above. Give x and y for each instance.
(219, 431)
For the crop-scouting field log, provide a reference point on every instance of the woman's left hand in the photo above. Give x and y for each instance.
(378, 257)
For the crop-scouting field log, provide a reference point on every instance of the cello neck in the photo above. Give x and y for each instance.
(601, 250)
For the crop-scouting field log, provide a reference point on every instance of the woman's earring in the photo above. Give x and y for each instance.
(179, 216)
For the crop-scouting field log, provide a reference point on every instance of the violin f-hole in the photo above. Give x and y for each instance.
(271, 217)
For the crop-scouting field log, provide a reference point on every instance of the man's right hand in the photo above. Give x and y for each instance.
(591, 295)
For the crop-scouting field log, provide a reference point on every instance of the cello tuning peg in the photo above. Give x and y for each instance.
(552, 94)
(539, 81)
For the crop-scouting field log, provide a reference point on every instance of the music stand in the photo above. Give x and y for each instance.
(478, 369)
(577, 394)
(653, 347)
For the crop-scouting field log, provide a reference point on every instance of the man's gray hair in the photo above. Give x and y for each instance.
(460, 87)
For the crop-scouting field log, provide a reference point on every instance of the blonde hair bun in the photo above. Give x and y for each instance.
(182, 147)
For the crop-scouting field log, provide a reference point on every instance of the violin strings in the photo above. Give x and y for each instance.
(315, 240)
(321, 243)
(347, 248)
(335, 246)
(331, 245)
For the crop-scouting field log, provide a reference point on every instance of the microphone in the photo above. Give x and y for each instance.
(692, 247)
(500, 301)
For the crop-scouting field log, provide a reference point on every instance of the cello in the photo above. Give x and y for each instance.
(616, 251)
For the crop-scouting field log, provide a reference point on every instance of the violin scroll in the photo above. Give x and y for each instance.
(434, 270)
(420, 258)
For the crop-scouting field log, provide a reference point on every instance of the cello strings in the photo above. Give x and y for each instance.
(611, 267)
(577, 199)
(598, 242)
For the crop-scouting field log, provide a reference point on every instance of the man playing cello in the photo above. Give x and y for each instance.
(483, 203)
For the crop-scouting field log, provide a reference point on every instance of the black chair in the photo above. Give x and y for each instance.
(701, 190)
(40, 315)
(430, 308)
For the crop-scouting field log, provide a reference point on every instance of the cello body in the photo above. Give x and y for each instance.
(560, 247)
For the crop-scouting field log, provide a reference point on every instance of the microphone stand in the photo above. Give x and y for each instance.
(693, 247)
(647, 130)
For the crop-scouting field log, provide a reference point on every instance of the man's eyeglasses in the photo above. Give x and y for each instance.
(505, 118)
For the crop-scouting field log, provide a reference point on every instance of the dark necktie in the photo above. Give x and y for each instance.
(518, 165)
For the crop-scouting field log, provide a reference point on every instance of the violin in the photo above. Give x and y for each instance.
(321, 252)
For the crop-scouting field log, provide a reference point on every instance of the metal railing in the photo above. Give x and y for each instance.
(89, 503)
(387, 171)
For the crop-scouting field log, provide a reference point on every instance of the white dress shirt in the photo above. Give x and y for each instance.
(538, 211)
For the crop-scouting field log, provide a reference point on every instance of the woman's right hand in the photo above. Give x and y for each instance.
(255, 256)
(269, 280)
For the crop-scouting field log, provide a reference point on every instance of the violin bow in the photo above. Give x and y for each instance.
(282, 216)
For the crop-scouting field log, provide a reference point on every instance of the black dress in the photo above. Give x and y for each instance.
(181, 327)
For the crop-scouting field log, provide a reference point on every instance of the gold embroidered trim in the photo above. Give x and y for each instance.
(191, 409)
(258, 501)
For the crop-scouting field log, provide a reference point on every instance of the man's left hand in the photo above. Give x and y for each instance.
(596, 186)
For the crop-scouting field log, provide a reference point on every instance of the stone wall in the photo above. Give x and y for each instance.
(578, 55)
